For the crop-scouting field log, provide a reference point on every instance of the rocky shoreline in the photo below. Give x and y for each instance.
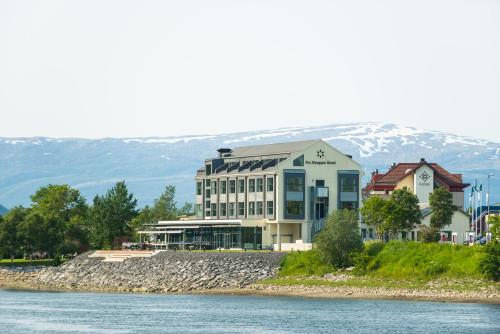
(215, 273)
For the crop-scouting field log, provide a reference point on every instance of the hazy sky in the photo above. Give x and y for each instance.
(162, 68)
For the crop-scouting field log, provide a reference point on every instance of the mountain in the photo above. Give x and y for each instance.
(148, 164)
(3, 210)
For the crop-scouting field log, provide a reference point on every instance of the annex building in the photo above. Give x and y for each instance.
(262, 196)
(422, 178)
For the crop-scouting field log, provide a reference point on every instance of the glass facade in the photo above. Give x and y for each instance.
(348, 190)
(294, 195)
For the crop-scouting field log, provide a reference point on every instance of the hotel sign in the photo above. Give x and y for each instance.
(320, 154)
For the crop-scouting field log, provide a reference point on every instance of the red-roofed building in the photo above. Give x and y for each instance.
(422, 178)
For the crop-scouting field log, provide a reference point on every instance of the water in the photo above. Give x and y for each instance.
(68, 312)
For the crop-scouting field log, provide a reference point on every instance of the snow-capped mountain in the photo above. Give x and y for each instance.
(148, 164)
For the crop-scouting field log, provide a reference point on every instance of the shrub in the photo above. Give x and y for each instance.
(340, 240)
(490, 263)
(428, 234)
(372, 248)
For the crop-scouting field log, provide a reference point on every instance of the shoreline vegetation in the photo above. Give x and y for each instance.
(396, 270)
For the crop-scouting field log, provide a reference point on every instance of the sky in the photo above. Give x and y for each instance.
(166, 68)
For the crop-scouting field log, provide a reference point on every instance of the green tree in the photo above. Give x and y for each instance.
(340, 239)
(441, 203)
(402, 211)
(111, 216)
(10, 239)
(186, 209)
(59, 206)
(33, 235)
(374, 213)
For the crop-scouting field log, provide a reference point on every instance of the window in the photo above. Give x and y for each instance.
(223, 209)
(320, 183)
(207, 205)
(363, 233)
(370, 233)
(349, 183)
(231, 209)
(270, 184)
(198, 188)
(260, 185)
(241, 208)
(214, 210)
(251, 185)
(295, 183)
(232, 186)
(294, 195)
(295, 209)
(251, 209)
(241, 186)
(299, 161)
(223, 187)
(199, 210)
(207, 188)
(259, 208)
(214, 187)
(270, 207)
(208, 170)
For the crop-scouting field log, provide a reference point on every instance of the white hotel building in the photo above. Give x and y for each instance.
(267, 195)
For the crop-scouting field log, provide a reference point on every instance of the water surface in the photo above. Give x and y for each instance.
(70, 312)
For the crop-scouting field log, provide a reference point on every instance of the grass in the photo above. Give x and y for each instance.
(425, 261)
(411, 265)
(304, 264)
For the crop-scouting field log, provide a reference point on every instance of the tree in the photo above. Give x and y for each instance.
(441, 203)
(340, 239)
(186, 210)
(374, 213)
(402, 211)
(10, 240)
(57, 208)
(111, 216)
(33, 235)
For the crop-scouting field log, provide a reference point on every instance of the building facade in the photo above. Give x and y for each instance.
(267, 196)
(421, 179)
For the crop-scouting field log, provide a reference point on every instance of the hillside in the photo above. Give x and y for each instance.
(148, 164)
(3, 209)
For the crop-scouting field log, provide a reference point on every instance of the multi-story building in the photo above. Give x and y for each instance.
(422, 178)
(265, 195)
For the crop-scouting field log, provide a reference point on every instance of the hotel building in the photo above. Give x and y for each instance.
(275, 195)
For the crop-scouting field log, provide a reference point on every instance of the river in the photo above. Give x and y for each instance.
(71, 312)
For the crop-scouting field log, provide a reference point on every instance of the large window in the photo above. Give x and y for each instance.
(223, 209)
(270, 208)
(295, 209)
(251, 208)
(231, 209)
(241, 209)
(260, 185)
(295, 182)
(259, 208)
(270, 183)
(241, 186)
(232, 186)
(214, 210)
(251, 185)
(294, 195)
(198, 188)
(348, 190)
(223, 187)
(199, 210)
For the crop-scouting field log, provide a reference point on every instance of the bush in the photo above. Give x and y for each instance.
(340, 240)
(428, 234)
(372, 248)
(490, 263)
